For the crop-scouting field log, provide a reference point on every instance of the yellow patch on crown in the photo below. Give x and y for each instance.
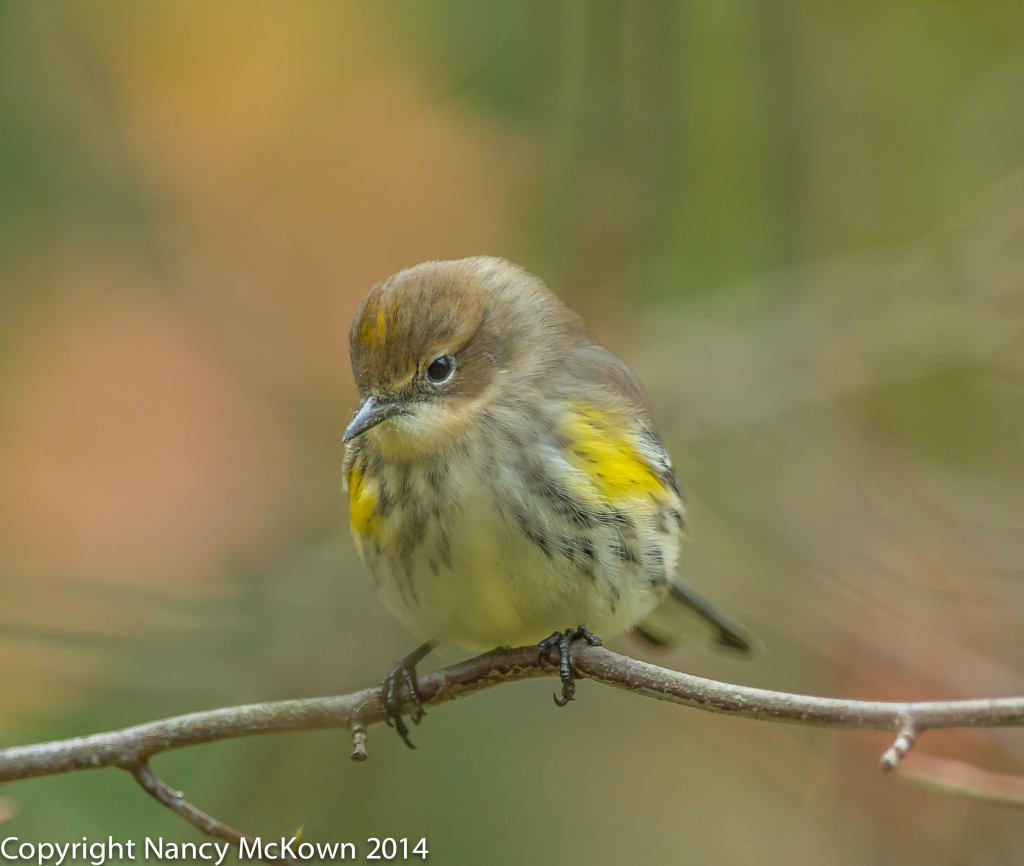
(604, 446)
(370, 334)
(362, 500)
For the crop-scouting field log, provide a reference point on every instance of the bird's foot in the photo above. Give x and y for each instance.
(563, 641)
(389, 695)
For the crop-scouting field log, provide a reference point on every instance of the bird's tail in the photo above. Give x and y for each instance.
(683, 613)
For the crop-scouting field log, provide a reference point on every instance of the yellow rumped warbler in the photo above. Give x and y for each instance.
(504, 476)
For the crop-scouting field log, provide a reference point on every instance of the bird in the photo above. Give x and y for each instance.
(505, 479)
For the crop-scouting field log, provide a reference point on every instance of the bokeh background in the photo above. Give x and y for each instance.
(802, 223)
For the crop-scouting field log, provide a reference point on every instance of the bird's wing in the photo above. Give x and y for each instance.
(593, 365)
(683, 612)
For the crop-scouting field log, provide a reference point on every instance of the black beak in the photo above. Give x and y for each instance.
(369, 414)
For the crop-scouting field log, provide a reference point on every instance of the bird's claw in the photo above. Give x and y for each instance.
(389, 696)
(563, 641)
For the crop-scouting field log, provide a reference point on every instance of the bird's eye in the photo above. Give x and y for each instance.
(441, 369)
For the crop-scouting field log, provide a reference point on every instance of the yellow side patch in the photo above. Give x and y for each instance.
(604, 446)
(362, 500)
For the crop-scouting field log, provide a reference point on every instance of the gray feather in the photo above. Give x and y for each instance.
(683, 613)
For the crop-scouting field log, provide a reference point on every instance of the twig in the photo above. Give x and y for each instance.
(903, 743)
(175, 801)
(358, 731)
(131, 748)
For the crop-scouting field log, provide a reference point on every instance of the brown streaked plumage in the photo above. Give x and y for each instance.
(504, 475)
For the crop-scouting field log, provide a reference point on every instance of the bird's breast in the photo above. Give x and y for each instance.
(503, 542)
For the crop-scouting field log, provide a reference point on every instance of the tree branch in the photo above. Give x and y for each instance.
(131, 748)
(175, 801)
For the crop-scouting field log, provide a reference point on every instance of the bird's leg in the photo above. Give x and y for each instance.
(389, 695)
(564, 641)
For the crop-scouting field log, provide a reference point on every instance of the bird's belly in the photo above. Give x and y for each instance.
(476, 580)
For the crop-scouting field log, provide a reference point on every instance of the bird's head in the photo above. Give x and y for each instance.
(434, 343)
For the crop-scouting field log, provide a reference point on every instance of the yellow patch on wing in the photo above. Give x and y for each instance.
(605, 447)
(362, 500)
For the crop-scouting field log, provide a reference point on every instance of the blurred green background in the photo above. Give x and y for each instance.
(802, 223)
